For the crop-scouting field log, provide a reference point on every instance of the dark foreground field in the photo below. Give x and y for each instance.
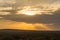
(29, 35)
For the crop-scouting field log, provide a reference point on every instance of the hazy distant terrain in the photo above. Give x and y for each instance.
(29, 35)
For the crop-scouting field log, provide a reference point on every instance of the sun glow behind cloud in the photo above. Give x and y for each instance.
(28, 10)
(36, 9)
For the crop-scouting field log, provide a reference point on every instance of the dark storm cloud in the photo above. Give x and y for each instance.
(45, 18)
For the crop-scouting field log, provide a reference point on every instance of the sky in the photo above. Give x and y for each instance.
(33, 15)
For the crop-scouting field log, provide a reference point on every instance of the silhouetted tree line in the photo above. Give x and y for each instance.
(29, 36)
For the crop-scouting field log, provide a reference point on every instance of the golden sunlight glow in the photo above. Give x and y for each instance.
(23, 26)
(28, 10)
(42, 27)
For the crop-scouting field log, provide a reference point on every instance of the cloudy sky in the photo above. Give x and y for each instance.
(33, 15)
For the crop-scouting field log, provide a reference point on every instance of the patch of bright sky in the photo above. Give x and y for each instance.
(22, 25)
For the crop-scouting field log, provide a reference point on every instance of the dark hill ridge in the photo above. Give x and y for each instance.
(13, 34)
